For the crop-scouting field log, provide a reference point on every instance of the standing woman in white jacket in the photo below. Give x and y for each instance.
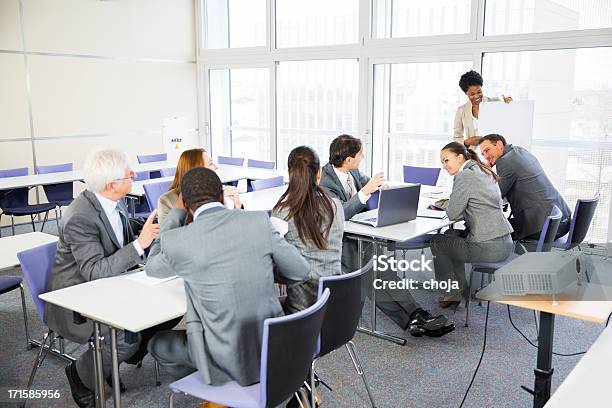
(466, 118)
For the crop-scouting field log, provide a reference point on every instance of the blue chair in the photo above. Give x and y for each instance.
(8, 284)
(261, 164)
(15, 202)
(422, 175)
(150, 158)
(268, 183)
(545, 243)
(288, 345)
(233, 161)
(344, 309)
(37, 266)
(426, 176)
(168, 172)
(153, 191)
(60, 194)
(372, 202)
(141, 209)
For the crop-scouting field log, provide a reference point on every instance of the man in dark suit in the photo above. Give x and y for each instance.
(524, 184)
(342, 178)
(96, 241)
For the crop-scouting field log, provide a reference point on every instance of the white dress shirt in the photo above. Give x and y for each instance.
(111, 210)
(205, 207)
(344, 177)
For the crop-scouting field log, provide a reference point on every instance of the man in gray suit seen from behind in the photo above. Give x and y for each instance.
(229, 260)
(524, 184)
(96, 241)
(342, 178)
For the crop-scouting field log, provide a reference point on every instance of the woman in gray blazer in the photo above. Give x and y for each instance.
(316, 226)
(476, 199)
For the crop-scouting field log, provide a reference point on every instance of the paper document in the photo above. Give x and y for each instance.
(141, 277)
(427, 213)
(281, 226)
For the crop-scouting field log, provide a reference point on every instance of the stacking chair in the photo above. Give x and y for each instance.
(233, 161)
(153, 191)
(261, 164)
(60, 194)
(420, 175)
(141, 209)
(168, 172)
(268, 183)
(579, 225)
(545, 243)
(341, 319)
(37, 265)
(288, 345)
(150, 158)
(8, 284)
(15, 202)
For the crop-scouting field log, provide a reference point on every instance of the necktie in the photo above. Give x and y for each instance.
(351, 187)
(123, 224)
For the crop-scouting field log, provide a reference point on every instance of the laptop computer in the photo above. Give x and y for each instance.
(395, 205)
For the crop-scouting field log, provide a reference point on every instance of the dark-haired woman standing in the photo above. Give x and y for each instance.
(466, 118)
(316, 225)
(477, 200)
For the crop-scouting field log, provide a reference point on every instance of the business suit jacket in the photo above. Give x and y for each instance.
(87, 250)
(464, 125)
(229, 260)
(165, 203)
(528, 190)
(477, 200)
(322, 262)
(331, 183)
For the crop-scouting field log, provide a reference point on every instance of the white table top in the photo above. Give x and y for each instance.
(152, 166)
(40, 179)
(262, 200)
(397, 232)
(587, 384)
(10, 246)
(135, 306)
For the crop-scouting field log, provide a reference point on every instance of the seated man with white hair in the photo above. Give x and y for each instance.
(96, 241)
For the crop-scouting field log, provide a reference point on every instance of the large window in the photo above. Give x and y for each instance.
(572, 92)
(282, 73)
(317, 101)
(536, 16)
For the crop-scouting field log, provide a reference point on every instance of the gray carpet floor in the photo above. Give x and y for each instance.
(425, 372)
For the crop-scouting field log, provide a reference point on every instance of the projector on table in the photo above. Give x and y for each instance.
(547, 273)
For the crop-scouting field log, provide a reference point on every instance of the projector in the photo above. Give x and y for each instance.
(547, 273)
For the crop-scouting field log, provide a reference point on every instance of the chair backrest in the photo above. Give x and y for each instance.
(343, 308)
(154, 190)
(37, 265)
(581, 220)
(234, 161)
(549, 230)
(372, 202)
(268, 183)
(168, 172)
(60, 191)
(423, 175)
(143, 175)
(287, 349)
(17, 197)
(149, 158)
(261, 164)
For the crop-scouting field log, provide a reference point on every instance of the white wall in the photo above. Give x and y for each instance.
(101, 74)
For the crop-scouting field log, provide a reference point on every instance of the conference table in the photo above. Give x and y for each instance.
(10, 246)
(579, 300)
(136, 305)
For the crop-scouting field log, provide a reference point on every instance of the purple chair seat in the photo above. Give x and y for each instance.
(30, 209)
(493, 266)
(230, 394)
(415, 243)
(8, 283)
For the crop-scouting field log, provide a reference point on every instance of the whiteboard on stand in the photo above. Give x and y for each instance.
(513, 121)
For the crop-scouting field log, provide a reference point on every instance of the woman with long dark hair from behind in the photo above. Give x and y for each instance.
(475, 198)
(316, 225)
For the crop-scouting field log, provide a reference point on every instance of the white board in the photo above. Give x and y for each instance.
(175, 135)
(514, 121)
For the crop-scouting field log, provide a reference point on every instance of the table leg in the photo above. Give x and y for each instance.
(116, 386)
(99, 373)
(372, 330)
(543, 372)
